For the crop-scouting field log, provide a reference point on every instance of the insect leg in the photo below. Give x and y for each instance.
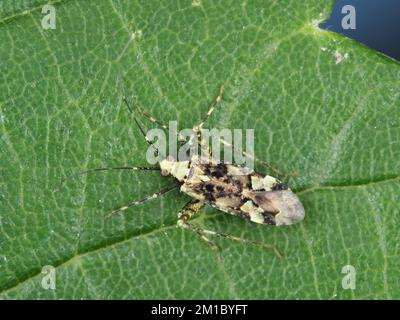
(186, 225)
(134, 203)
(197, 129)
(145, 115)
(161, 124)
(196, 138)
(187, 212)
(212, 108)
(181, 139)
(190, 209)
(150, 143)
(150, 118)
(125, 99)
(247, 241)
(264, 163)
(204, 233)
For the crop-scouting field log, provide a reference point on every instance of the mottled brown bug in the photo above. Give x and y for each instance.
(230, 188)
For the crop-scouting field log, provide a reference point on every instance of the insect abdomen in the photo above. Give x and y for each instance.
(242, 192)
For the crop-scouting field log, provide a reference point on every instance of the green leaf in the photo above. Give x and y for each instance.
(337, 125)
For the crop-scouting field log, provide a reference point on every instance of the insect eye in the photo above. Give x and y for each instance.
(164, 173)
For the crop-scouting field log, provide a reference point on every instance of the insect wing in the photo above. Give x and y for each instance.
(282, 206)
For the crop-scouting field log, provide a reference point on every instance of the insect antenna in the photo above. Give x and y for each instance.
(136, 202)
(87, 171)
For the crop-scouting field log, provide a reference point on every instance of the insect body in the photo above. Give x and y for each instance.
(227, 187)
(236, 190)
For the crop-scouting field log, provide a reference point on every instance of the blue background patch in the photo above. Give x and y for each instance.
(376, 22)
